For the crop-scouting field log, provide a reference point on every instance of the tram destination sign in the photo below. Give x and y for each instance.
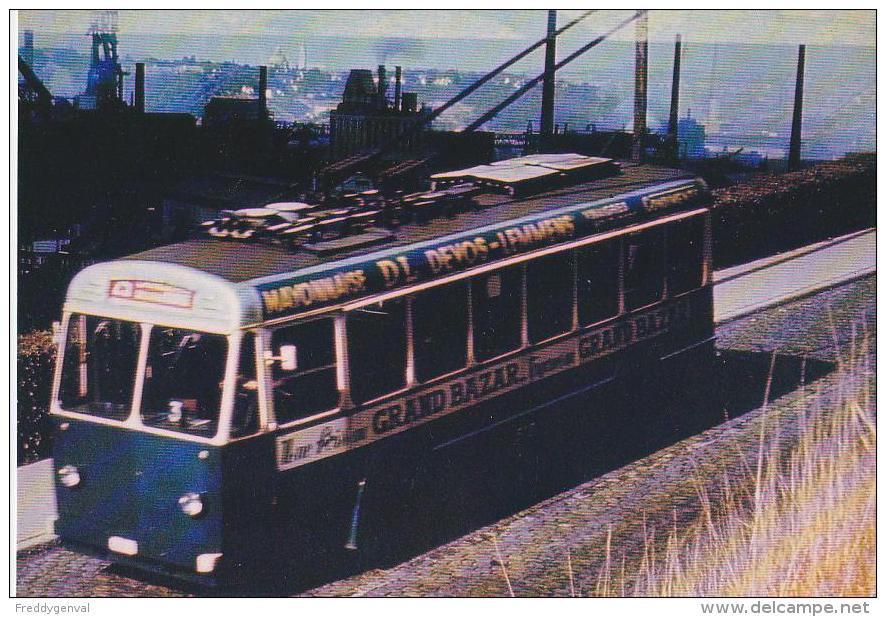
(396, 268)
(450, 396)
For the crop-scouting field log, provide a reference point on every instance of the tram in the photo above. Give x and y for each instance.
(225, 403)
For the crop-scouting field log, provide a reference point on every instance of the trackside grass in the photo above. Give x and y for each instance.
(797, 520)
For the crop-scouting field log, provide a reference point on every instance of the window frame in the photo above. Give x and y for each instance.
(340, 312)
(226, 412)
(661, 228)
(706, 266)
(409, 366)
(232, 349)
(264, 353)
(133, 420)
(524, 330)
(62, 337)
(261, 373)
(572, 255)
(620, 311)
(469, 334)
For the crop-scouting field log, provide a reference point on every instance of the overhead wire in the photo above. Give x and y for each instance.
(473, 87)
(489, 115)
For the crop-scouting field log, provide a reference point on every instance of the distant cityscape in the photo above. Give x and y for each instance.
(723, 111)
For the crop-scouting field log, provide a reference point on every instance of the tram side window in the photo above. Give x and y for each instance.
(440, 330)
(644, 268)
(497, 311)
(184, 377)
(597, 267)
(312, 386)
(685, 255)
(98, 370)
(377, 349)
(549, 296)
(246, 420)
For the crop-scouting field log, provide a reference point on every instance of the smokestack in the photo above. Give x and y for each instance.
(675, 93)
(140, 87)
(397, 85)
(382, 82)
(28, 47)
(640, 81)
(547, 91)
(410, 102)
(263, 90)
(797, 125)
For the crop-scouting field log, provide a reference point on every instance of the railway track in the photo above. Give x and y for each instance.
(620, 507)
(796, 321)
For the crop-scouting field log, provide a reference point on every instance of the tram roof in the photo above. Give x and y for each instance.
(239, 262)
(221, 285)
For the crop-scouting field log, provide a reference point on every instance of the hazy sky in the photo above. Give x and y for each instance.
(746, 26)
(749, 85)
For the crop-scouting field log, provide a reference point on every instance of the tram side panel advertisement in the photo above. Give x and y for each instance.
(368, 425)
(313, 291)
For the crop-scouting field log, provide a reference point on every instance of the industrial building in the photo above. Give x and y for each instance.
(366, 118)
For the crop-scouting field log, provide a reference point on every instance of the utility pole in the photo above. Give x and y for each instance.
(139, 95)
(673, 119)
(547, 93)
(641, 67)
(797, 124)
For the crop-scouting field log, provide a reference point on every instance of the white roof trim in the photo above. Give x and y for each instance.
(185, 297)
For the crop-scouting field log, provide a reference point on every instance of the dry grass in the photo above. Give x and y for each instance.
(797, 521)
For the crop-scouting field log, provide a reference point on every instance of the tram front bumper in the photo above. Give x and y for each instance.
(207, 562)
(124, 546)
(127, 504)
(204, 564)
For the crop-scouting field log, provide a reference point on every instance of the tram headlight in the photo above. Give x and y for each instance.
(69, 476)
(191, 504)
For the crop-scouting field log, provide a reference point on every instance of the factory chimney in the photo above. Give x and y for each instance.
(140, 87)
(382, 85)
(675, 93)
(547, 91)
(410, 102)
(398, 76)
(640, 80)
(797, 124)
(263, 91)
(28, 47)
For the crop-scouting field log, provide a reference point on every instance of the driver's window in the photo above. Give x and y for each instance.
(304, 370)
(184, 376)
(246, 419)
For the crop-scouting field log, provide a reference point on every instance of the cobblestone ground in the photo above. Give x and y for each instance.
(51, 570)
(528, 553)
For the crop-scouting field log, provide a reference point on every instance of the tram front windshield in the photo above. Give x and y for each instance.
(184, 377)
(183, 380)
(98, 371)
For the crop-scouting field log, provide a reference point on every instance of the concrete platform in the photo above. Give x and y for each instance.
(743, 289)
(35, 504)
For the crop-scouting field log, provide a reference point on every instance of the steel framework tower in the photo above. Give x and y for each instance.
(104, 82)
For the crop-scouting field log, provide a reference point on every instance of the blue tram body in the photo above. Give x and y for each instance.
(224, 406)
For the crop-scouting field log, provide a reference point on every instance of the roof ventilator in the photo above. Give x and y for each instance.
(366, 217)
